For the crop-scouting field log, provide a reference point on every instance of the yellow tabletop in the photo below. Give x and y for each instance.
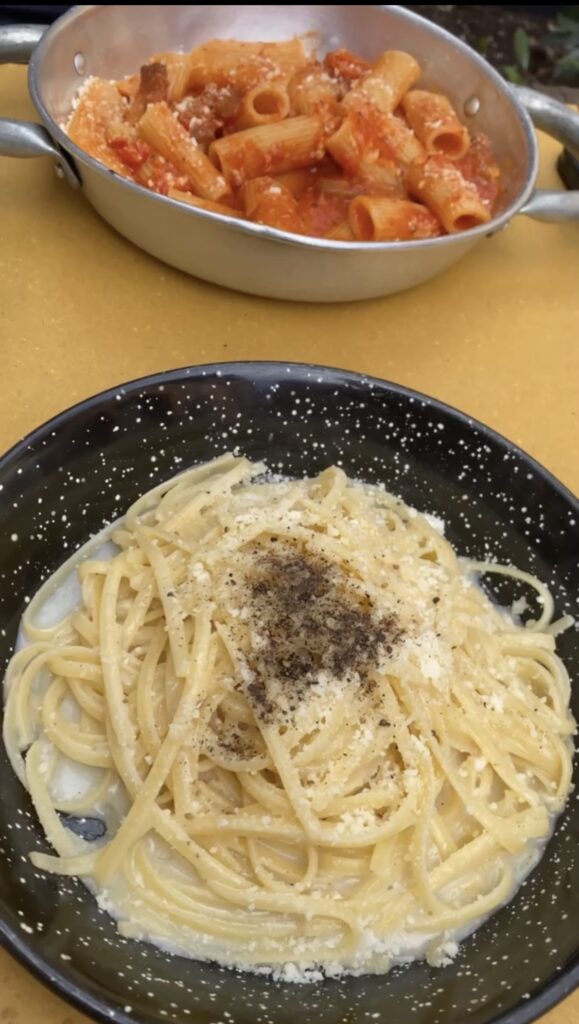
(81, 309)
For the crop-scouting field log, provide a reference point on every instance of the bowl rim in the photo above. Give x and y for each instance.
(233, 224)
(189, 371)
(559, 985)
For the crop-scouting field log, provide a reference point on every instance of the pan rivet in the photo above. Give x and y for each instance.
(59, 171)
(472, 106)
(79, 63)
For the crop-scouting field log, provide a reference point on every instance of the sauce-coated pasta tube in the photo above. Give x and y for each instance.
(269, 149)
(266, 201)
(202, 204)
(167, 136)
(243, 65)
(100, 110)
(443, 189)
(348, 143)
(381, 219)
(313, 91)
(328, 129)
(366, 136)
(297, 181)
(345, 65)
(128, 85)
(400, 140)
(381, 173)
(342, 232)
(266, 103)
(178, 69)
(389, 79)
(436, 124)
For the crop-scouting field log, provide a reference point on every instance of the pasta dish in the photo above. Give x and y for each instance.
(310, 740)
(338, 148)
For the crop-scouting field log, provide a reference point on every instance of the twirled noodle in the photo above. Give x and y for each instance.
(312, 739)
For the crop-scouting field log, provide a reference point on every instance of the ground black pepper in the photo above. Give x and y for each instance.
(311, 620)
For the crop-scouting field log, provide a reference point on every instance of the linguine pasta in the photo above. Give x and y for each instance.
(311, 739)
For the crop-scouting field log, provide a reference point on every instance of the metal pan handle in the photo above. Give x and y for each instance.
(562, 124)
(23, 138)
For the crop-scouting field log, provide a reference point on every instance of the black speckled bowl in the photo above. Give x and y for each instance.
(81, 470)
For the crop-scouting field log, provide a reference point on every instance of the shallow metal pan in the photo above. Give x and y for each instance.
(113, 40)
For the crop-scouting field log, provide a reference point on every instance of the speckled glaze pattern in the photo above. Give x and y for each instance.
(81, 470)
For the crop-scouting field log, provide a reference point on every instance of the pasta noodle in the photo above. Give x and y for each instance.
(203, 204)
(441, 186)
(178, 74)
(311, 737)
(159, 128)
(90, 125)
(380, 219)
(265, 103)
(243, 65)
(342, 232)
(267, 201)
(209, 122)
(387, 81)
(312, 91)
(435, 123)
(268, 149)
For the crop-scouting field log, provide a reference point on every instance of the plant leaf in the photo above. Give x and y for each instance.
(567, 68)
(522, 48)
(561, 39)
(513, 74)
(566, 23)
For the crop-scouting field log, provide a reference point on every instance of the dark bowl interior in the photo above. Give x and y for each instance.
(81, 470)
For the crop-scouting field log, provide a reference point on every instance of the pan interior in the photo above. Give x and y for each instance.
(115, 40)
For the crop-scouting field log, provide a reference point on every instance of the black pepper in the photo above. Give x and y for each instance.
(313, 623)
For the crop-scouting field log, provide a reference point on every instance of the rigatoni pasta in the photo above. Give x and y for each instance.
(443, 189)
(381, 219)
(313, 91)
(340, 148)
(159, 128)
(267, 201)
(269, 149)
(387, 81)
(225, 62)
(265, 103)
(435, 123)
(178, 73)
(96, 120)
(202, 204)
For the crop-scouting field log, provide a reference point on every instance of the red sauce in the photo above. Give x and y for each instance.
(343, 64)
(319, 212)
(132, 153)
(479, 166)
(376, 154)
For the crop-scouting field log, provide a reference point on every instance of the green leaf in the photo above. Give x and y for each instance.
(482, 44)
(560, 39)
(522, 48)
(513, 74)
(567, 68)
(565, 23)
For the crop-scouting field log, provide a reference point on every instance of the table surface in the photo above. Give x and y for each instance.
(81, 310)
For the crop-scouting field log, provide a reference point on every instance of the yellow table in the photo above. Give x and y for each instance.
(81, 310)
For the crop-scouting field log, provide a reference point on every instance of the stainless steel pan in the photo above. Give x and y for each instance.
(113, 40)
